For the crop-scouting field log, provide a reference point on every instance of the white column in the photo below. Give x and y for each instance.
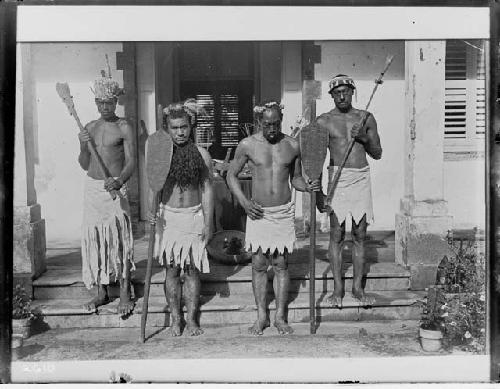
(29, 227)
(423, 221)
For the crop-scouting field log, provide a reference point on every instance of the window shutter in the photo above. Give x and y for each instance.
(229, 120)
(206, 122)
(481, 93)
(455, 90)
(465, 95)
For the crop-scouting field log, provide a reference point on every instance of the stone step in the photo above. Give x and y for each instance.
(389, 305)
(379, 247)
(222, 288)
(224, 280)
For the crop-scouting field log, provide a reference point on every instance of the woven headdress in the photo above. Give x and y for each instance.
(339, 81)
(105, 88)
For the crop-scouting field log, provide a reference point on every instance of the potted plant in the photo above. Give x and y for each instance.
(432, 324)
(464, 311)
(22, 314)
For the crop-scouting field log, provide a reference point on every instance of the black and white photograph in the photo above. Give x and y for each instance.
(251, 194)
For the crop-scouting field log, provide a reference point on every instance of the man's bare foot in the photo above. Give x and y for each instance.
(364, 299)
(125, 306)
(193, 329)
(335, 299)
(175, 327)
(100, 299)
(283, 327)
(258, 327)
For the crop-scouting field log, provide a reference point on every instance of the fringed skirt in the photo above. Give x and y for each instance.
(179, 237)
(275, 231)
(107, 242)
(353, 195)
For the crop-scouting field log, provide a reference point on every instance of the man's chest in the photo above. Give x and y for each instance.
(107, 135)
(340, 125)
(277, 155)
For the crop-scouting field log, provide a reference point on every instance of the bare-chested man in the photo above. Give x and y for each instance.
(107, 242)
(185, 217)
(353, 193)
(270, 231)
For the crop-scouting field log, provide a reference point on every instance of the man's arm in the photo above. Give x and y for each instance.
(368, 137)
(235, 167)
(253, 210)
(84, 156)
(129, 149)
(207, 195)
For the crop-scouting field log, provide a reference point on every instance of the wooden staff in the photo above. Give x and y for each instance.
(336, 177)
(158, 159)
(65, 94)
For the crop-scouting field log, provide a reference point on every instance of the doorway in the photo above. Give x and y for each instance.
(220, 76)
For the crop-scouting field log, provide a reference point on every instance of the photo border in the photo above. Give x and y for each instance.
(8, 12)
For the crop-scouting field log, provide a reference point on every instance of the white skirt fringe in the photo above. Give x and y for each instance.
(107, 241)
(179, 233)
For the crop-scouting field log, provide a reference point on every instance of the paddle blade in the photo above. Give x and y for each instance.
(313, 148)
(64, 93)
(159, 158)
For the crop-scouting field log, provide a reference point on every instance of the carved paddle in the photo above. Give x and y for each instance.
(313, 141)
(160, 148)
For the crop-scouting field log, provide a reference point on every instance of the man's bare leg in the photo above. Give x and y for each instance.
(126, 305)
(281, 284)
(259, 285)
(173, 294)
(191, 292)
(102, 298)
(337, 236)
(358, 261)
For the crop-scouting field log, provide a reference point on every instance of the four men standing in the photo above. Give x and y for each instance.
(185, 218)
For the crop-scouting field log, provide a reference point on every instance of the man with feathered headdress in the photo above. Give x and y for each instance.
(185, 217)
(107, 242)
(353, 192)
(270, 229)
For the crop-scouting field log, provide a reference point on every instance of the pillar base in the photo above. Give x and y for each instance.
(421, 239)
(29, 241)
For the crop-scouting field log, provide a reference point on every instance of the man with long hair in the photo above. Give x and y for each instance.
(185, 217)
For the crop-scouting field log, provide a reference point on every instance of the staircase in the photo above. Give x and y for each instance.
(227, 296)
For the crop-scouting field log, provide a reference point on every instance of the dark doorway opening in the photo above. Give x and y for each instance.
(220, 76)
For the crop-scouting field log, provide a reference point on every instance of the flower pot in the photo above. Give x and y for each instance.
(431, 340)
(21, 327)
(16, 341)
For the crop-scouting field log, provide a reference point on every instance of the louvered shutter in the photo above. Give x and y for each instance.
(229, 120)
(206, 122)
(481, 94)
(465, 96)
(455, 90)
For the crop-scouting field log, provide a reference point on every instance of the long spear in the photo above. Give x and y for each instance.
(336, 177)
